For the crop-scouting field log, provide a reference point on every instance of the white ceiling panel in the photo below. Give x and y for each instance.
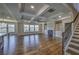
(24, 11)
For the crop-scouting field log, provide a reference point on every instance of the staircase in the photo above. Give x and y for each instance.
(73, 48)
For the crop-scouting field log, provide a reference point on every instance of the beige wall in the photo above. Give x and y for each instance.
(58, 26)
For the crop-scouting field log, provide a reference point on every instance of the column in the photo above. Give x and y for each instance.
(40, 28)
(20, 28)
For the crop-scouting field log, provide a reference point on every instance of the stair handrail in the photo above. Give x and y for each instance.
(74, 22)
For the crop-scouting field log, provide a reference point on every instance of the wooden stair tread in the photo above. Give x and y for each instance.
(75, 37)
(73, 51)
(74, 44)
(76, 33)
(75, 41)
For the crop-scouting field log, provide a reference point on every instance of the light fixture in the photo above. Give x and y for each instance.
(8, 17)
(32, 6)
(59, 16)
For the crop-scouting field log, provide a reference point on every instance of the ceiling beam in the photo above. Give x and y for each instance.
(28, 14)
(56, 15)
(22, 7)
(7, 8)
(67, 6)
(40, 12)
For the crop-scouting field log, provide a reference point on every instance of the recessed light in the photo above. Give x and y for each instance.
(8, 17)
(59, 16)
(32, 6)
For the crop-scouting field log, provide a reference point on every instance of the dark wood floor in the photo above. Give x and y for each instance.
(31, 45)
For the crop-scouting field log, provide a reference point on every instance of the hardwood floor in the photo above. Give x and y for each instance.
(31, 45)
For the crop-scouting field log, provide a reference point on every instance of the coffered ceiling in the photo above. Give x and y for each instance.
(32, 11)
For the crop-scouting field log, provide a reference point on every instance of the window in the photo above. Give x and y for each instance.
(0, 27)
(31, 28)
(36, 27)
(11, 28)
(26, 28)
(3, 28)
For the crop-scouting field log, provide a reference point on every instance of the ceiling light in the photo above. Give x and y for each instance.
(59, 16)
(32, 6)
(8, 17)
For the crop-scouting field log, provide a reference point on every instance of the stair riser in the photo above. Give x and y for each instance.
(76, 47)
(75, 42)
(76, 33)
(77, 28)
(72, 52)
(75, 37)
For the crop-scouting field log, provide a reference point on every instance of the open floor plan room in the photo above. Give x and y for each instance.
(38, 29)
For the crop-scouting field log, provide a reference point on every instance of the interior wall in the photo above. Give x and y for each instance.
(49, 26)
(20, 28)
(7, 20)
(67, 20)
(58, 29)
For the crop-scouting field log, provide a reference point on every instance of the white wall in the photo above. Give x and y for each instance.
(76, 6)
(51, 26)
(7, 20)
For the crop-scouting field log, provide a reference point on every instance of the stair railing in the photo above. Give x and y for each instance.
(2, 43)
(67, 35)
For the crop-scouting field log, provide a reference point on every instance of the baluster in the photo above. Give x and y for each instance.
(1, 45)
